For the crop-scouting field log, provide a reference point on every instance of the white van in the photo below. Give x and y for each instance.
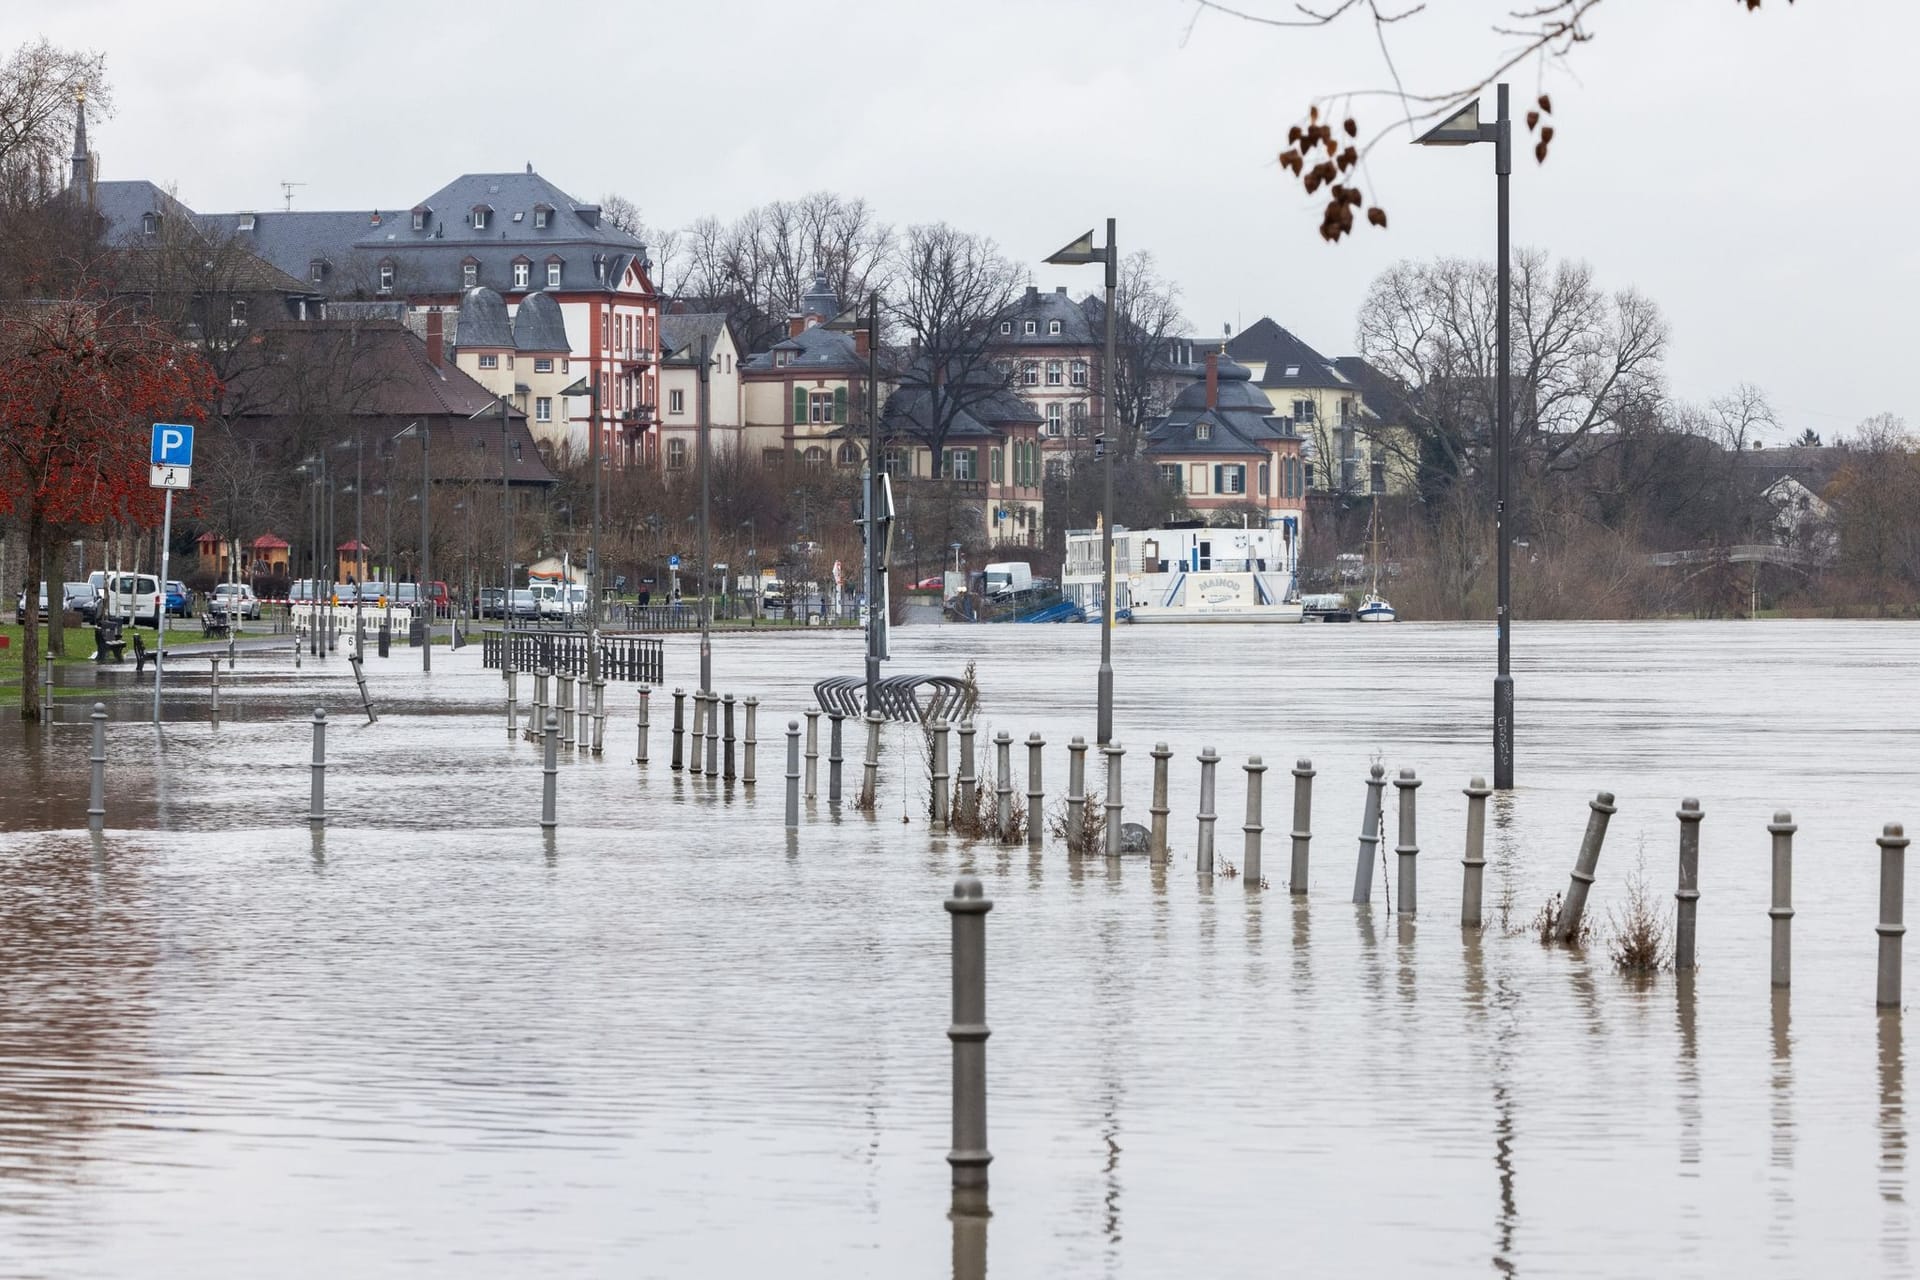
(134, 597)
(559, 601)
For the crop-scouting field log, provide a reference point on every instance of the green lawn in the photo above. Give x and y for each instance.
(79, 657)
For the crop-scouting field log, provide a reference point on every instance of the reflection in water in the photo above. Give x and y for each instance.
(1501, 1046)
(1780, 1159)
(1302, 936)
(1898, 1220)
(1689, 1076)
(969, 1238)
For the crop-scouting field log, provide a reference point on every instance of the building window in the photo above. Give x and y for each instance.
(781, 359)
(316, 270)
(961, 463)
(820, 407)
(1053, 419)
(1079, 373)
(676, 454)
(1229, 478)
(1006, 326)
(543, 409)
(237, 314)
(676, 401)
(1029, 373)
(996, 466)
(848, 455)
(386, 277)
(540, 217)
(894, 461)
(1053, 328)
(1346, 408)
(1303, 410)
(480, 214)
(1053, 373)
(469, 274)
(521, 271)
(147, 224)
(489, 362)
(799, 405)
(553, 275)
(1264, 478)
(543, 364)
(1170, 473)
(772, 458)
(1028, 328)
(419, 219)
(816, 456)
(1077, 416)
(1203, 431)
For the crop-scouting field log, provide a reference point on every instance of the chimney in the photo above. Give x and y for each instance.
(436, 340)
(1213, 379)
(1060, 289)
(860, 341)
(796, 324)
(1033, 292)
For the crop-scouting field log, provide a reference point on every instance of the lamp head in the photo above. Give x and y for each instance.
(1457, 130)
(1077, 253)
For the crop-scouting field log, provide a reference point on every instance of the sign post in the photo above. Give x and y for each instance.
(172, 462)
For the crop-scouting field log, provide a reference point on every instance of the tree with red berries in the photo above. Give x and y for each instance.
(81, 380)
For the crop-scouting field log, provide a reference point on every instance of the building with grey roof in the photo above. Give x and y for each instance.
(1225, 449)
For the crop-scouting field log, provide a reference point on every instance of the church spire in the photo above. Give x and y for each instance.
(82, 159)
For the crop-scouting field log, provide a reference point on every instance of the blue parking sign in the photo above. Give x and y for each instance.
(172, 444)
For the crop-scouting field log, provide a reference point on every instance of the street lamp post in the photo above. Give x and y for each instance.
(1461, 129)
(425, 594)
(1080, 252)
(706, 553)
(585, 387)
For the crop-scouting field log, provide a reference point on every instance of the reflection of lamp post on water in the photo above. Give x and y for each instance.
(424, 599)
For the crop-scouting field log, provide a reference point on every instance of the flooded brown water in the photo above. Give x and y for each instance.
(668, 1043)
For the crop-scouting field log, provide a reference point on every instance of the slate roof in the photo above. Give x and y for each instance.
(681, 332)
(1079, 324)
(1381, 394)
(1240, 422)
(294, 240)
(1265, 341)
(908, 411)
(1236, 390)
(538, 325)
(814, 350)
(483, 321)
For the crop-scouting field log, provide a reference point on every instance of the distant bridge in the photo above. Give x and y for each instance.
(1749, 553)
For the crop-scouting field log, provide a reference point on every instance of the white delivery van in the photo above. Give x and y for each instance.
(1006, 578)
(134, 597)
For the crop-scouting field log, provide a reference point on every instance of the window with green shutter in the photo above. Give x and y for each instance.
(799, 404)
(839, 404)
(995, 462)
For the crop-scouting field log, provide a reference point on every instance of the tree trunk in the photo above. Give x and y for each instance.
(30, 708)
(56, 597)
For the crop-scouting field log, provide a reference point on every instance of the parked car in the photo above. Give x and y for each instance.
(179, 599)
(20, 609)
(235, 599)
(442, 600)
(522, 606)
(302, 590)
(133, 597)
(492, 600)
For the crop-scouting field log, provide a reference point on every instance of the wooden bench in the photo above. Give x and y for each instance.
(215, 626)
(107, 645)
(140, 656)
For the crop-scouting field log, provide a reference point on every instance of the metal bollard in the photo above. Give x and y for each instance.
(360, 678)
(1893, 879)
(870, 777)
(746, 773)
(1115, 755)
(296, 651)
(1076, 792)
(317, 809)
(1302, 824)
(969, 780)
(1203, 848)
(1157, 834)
(566, 687)
(1036, 795)
(1003, 785)
(599, 716)
(1687, 896)
(813, 751)
(679, 728)
(727, 770)
(713, 735)
(1250, 854)
(513, 702)
(97, 758)
(793, 775)
(938, 808)
(540, 700)
(697, 734)
(834, 759)
(1781, 912)
(550, 771)
(969, 906)
(645, 694)
(46, 691)
(1473, 877)
(1567, 927)
(1369, 834)
(1408, 850)
(213, 662)
(232, 648)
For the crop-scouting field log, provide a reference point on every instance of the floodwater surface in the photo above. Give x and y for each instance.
(671, 1041)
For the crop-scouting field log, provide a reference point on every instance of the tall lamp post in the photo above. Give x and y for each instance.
(1082, 251)
(1461, 129)
(419, 427)
(584, 387)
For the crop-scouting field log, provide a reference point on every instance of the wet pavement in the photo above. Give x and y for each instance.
(671, 1042)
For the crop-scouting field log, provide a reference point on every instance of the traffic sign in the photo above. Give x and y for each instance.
(172, 445)
(673, 562)
(170, 477)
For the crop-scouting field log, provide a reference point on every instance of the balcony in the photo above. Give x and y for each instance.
(638, 416)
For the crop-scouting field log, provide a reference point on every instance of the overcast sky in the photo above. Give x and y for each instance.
(1751, 172)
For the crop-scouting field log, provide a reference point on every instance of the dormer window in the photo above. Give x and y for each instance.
(481, 215)
(470, 273)
(1006, 326)
(1053, 328)
(782, 358)
(1203, 431)
(317, 270)
(148, 222)
(237, 314)
(553, 273)
(522, 271)
(386, 277)
(420, 218)
(246, 222)
(1029, 328)
(541, 213)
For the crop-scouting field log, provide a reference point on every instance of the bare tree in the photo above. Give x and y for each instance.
(666, 269)
(951, 289)
(1876, 493)
(39, 85)
(1149, 317)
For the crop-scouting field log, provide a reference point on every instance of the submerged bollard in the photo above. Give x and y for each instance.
(746, 773)
(1474, 861)
(1302, 824)
(232, 648)
(813, 751)
(550, 773)
(1076, 793)
(969, 780)
(1408, 850)
(1036, 795)
(1567, 927)
(938, 806)
(1003, 785)
(679, 728)
(317, 809)
(46, 691)
(539, 716)
(1893, 879)
(870, 776)
(713, 735)
(1116, 754)
(1157, 833)
(213, 662)
(97, 758)
(1203, 848)
(727, 770)
(645, 694)
(834, 757)
(793, 775)
(969, 906)
(697, 735)
(360, 678)
(599, 716)
(1687, 896)
(1781, 912)
(1369, 834)
(1250, 854)
(513, 702)
(566, 686)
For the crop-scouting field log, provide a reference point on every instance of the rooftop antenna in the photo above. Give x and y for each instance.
(286, 190)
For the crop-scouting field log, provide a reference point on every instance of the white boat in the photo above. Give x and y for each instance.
(1373, 609)
(1198, 574)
